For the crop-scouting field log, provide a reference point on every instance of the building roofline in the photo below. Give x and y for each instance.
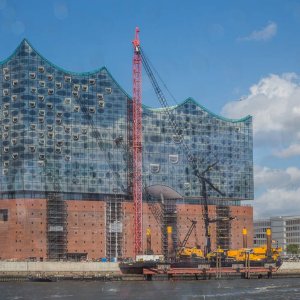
(98, 70)
(190, 99)
(103, 68)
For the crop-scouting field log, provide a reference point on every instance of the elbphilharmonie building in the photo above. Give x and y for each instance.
(66, 166)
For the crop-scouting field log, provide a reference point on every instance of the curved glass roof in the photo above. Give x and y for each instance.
(190, 99)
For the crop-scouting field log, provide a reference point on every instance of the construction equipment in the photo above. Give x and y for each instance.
(189, 252)
(255, 254)
(137, 144)
(56, 214)
(180, 138)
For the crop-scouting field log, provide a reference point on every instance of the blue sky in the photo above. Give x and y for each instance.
(213, 51)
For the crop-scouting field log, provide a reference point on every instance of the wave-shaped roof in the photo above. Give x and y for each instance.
(25, 42)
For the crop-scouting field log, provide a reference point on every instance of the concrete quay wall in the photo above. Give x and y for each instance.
(290, 267)
(58, 267)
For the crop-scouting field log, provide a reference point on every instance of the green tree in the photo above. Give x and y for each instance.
(292, 249)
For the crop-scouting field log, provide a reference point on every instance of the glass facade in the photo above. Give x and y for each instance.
(59, 124)
(211, 139)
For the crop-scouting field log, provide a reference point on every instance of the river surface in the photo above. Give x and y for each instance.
(155, 290)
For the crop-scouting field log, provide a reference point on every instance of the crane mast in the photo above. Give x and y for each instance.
(137, 143)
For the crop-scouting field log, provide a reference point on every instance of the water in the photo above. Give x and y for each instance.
(155, 290)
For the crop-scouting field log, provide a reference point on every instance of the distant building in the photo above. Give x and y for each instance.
(285, 231)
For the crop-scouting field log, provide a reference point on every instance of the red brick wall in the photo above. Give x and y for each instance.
(24, 234)
(244, 218)
(86, 228)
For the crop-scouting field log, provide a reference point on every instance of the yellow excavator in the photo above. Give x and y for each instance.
(263, 253)
(189, 252)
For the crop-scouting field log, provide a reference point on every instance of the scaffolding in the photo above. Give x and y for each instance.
(114, 227)
(56, 218)
(169, 219)
(223, 228)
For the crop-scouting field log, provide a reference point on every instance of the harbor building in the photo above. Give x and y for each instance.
(66, 166)
(285, 231)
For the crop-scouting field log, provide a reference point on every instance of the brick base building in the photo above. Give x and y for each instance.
(23, 232)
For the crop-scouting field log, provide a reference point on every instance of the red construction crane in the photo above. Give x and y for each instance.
(137, 144)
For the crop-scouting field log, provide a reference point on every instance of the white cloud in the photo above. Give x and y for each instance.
(274, 104)
(292, 150)
(278, 202)
(281, 194)
(269, 178)
(264, 34)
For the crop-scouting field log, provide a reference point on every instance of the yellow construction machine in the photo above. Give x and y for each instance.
(256, 254)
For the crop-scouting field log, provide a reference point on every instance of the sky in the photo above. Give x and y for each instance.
(234, 57)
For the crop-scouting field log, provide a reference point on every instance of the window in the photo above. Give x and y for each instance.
(50, 77)
(4, 215)
(68, 79)
(108, 90)
(32, 75)
(100, 96)
(92, 81)
(32, 148)
(6, 77)
(177, 139)
(154, 168)
(15, 119)
(14, 97)
(41, 97)
(42, 113)
(5, 70)
(32, 104)
(41, 69)
(58, 150)
(41, 163)
(58, 85)
(75, 93)
(76, 108)
(6, 164)
(101, 103)
(42, 83)
(50, 105)
(92, 109)
(33, 90)
(5, 92)
(76, 87)
(173, 159)
(67, 100)
(15, 82)
(187, 185)
(15, 155)
(85, 88)
(50, 91)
